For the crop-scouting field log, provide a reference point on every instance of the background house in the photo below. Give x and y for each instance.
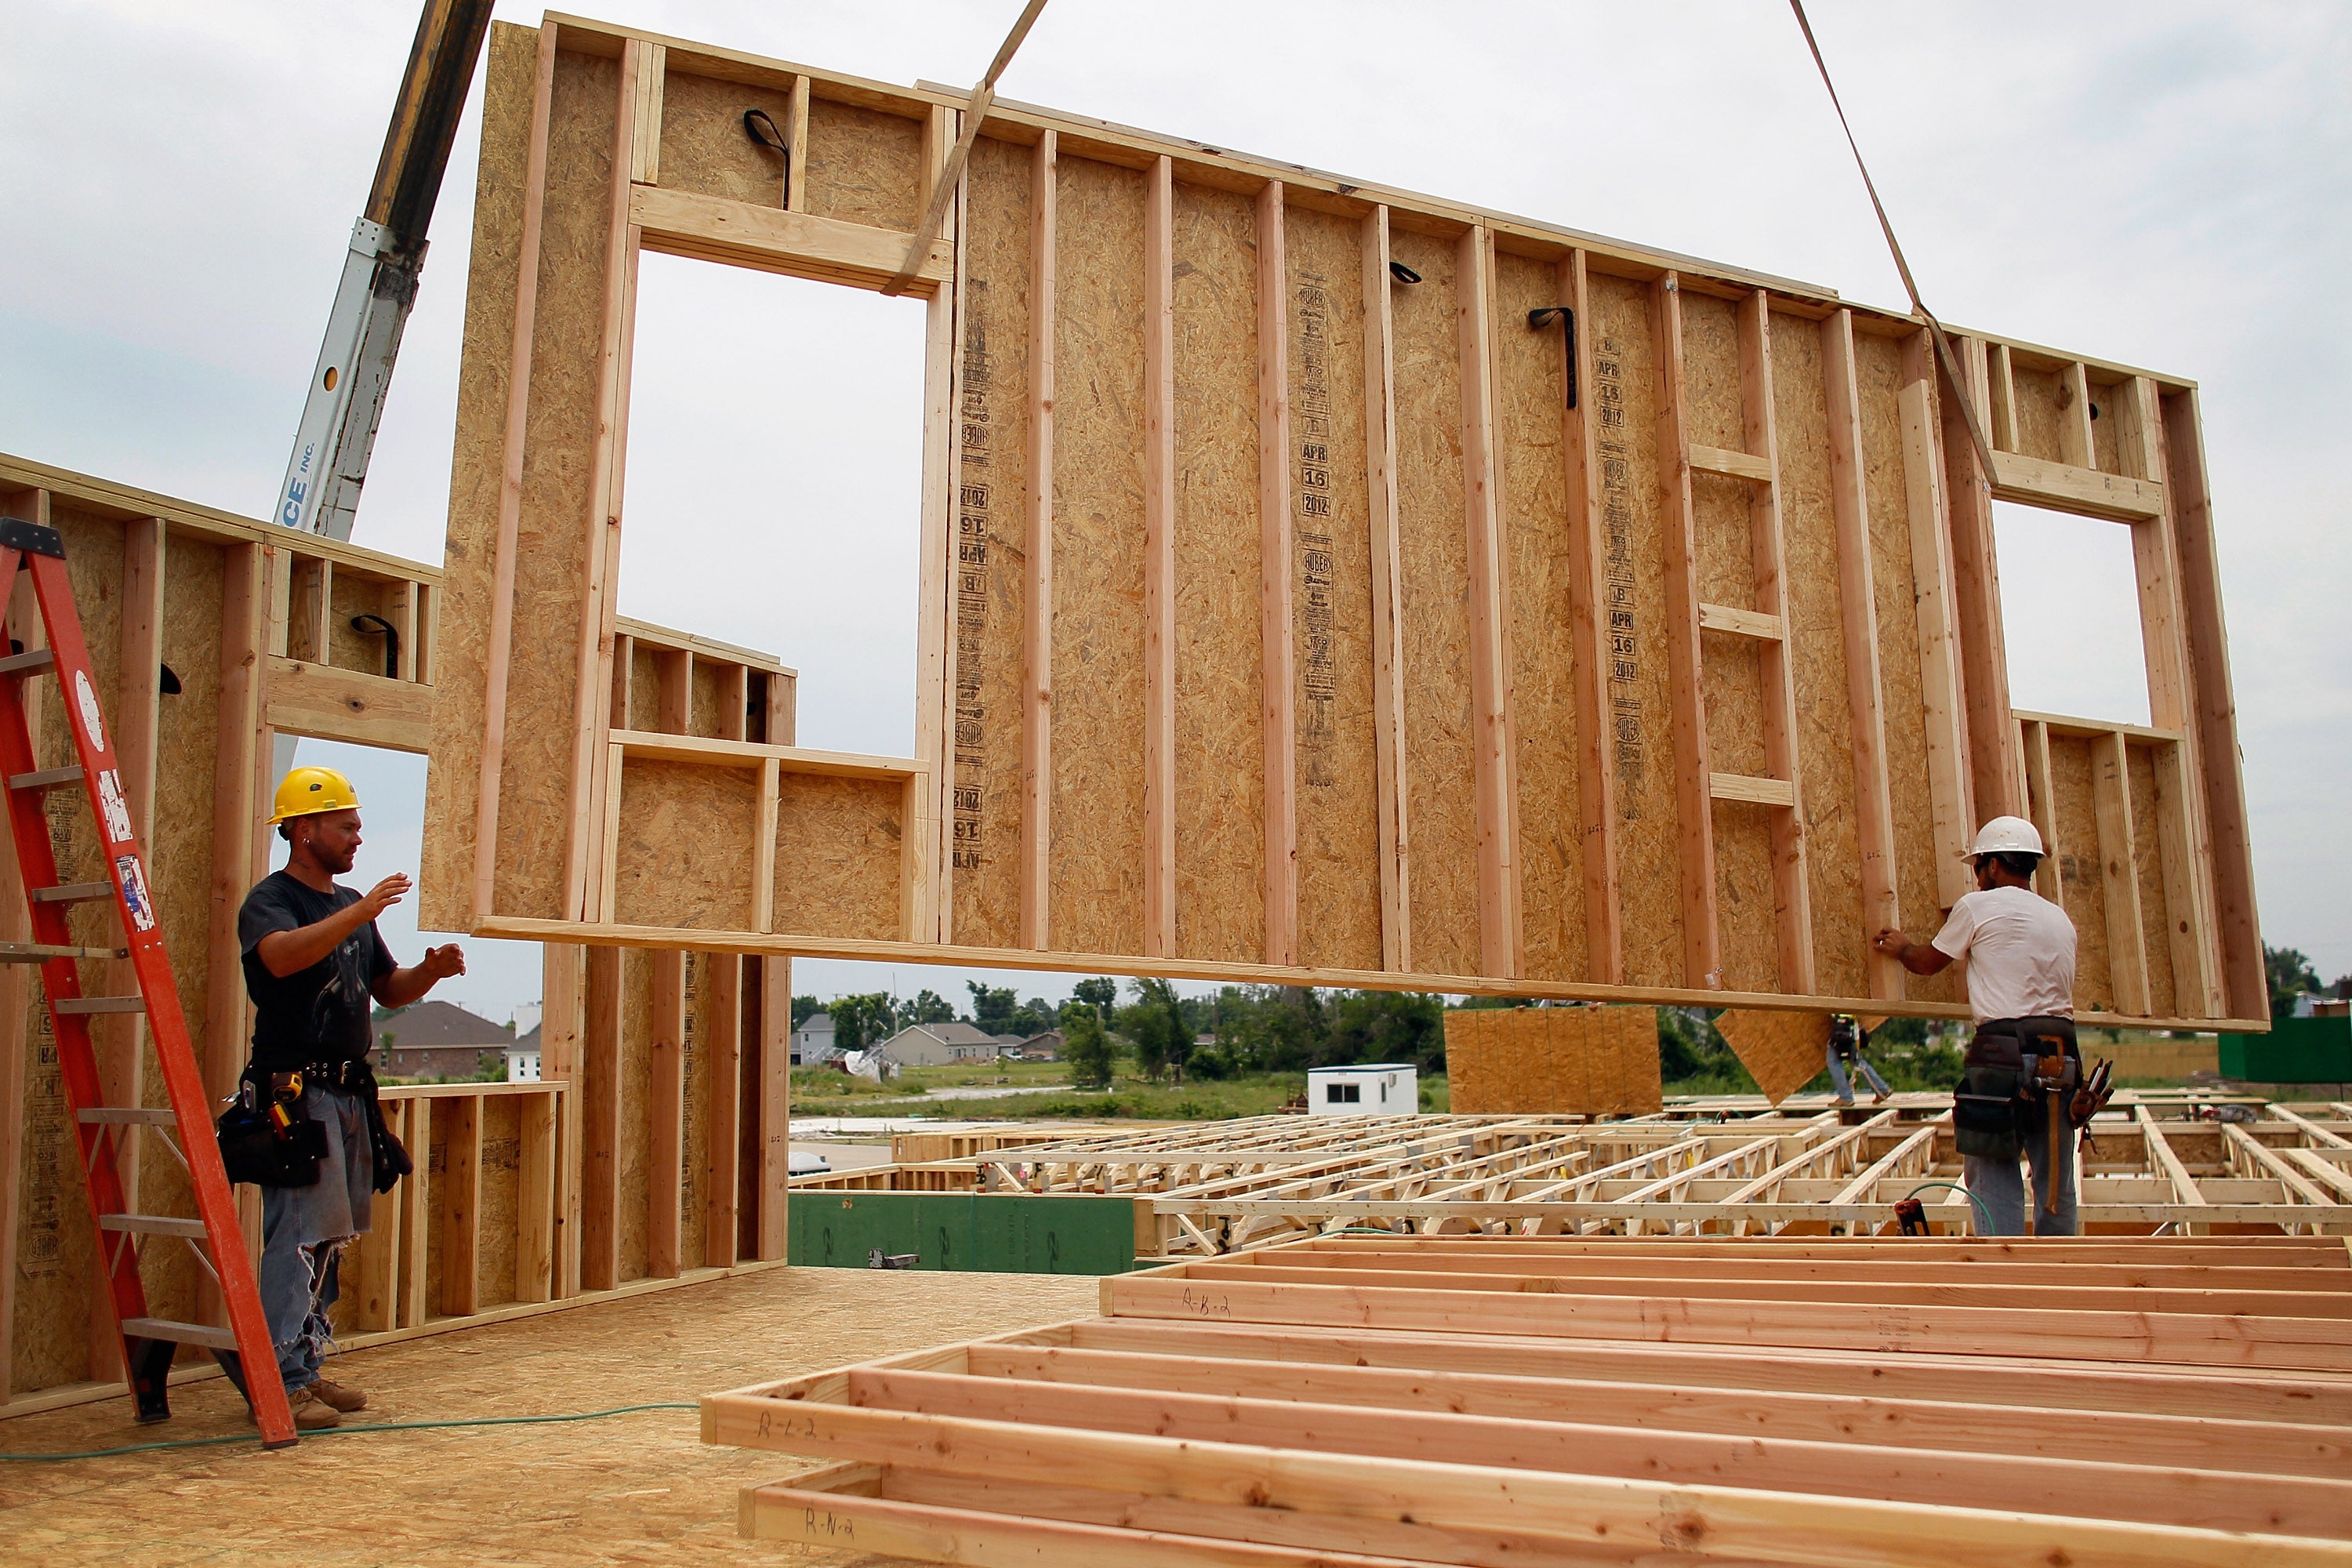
(1040, 1047)
(522, 1057)
(940, 1045)
(436, 1039)
(812, 1042)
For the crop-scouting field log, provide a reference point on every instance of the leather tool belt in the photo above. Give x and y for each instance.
(2013, 1066)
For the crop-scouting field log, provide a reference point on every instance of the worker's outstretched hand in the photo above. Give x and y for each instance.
(384, 894)
(441, 963)
(1891, 942)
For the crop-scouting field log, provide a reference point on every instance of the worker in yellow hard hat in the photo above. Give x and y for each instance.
(315, 965)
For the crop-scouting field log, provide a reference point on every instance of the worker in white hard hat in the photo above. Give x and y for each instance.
(314, 967)
(2022, 1067)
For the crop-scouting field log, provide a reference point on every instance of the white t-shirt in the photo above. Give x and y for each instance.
(2020, 949)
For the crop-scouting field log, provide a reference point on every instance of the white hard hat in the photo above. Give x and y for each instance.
(2006, 835)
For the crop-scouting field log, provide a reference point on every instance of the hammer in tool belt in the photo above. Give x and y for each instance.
(2054, 1073)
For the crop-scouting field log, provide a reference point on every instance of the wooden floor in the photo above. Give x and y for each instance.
(1512, 1402)
(634, 1488)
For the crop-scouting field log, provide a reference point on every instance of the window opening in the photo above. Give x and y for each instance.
(773, 484)
(2070, 614)
(503, 979)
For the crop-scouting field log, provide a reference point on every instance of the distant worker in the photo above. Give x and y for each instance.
(1847, 1036)
(313, 965)
(2022, 1068)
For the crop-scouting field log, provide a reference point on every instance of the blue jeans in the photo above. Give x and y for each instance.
(302, 1233)
(1845, 1089)
(2002, 1186)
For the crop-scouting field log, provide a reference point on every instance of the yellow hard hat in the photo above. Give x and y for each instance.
(305, 792)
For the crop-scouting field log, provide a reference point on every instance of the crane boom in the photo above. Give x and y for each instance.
(345, 403)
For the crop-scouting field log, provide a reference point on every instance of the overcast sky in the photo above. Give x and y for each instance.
(2160, 184)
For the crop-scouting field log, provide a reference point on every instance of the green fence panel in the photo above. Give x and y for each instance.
(971, 1232)
(2297, 1050)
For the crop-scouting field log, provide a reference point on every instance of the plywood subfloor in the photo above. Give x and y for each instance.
(633, 1489)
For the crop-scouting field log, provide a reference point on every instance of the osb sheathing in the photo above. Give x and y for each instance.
(1598, 1061)
(1632, 573)
(2079, 849)
(1732, 668)
(1096, 898)
(1440, 783)
(635, 1079)
(680, 840)
(2038, 415)
(1532, 406)
(637, 1487)
(1783, 1051)
(865, 167)
(550, 559)
(1331, 588)
(56, 1257)
(1220, 694)
(1878, 383)
(350, 596)
(837, 855)
(704, 148)
(991, 558)
(2148, 869)
(1817, 633)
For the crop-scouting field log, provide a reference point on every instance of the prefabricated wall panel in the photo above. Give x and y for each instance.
(1303, 599)
(211, 635)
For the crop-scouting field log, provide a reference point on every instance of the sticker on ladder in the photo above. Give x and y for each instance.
(110, 802)
(91, 724)
(135, 891)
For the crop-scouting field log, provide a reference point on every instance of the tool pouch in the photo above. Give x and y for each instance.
(254, 1150)
(1986, 1120)
(391, 1157)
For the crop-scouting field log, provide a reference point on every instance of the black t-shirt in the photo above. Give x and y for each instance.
(315, 1014)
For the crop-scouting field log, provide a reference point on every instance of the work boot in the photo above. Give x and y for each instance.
(311, 1414)
(341, 1396)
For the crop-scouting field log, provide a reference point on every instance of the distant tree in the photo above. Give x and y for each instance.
(1101, 993)
(1086, 1046)
(928, 1007)
(864, 1021)
(1386, 1026)
(992, 1006)
(2290, 973)
(1034, 1016)
(1155, 1023)
(804, 1008)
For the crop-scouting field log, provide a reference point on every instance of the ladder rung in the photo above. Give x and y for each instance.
(73, 893)
(181, 1334)
(45, 778)
(30, 662)
(121, 1115)
(41, 952)
(153, 1224)
(1740, 623)
(1738, 465)
(1753, 790)
(103, 1005)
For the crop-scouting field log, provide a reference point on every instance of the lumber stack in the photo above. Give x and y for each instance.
(1549, 1400)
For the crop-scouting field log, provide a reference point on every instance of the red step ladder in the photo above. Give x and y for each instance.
(148, 1343)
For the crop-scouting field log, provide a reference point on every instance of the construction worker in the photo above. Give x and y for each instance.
(313, 966)
(1847, 1036)
(2022, 1067)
